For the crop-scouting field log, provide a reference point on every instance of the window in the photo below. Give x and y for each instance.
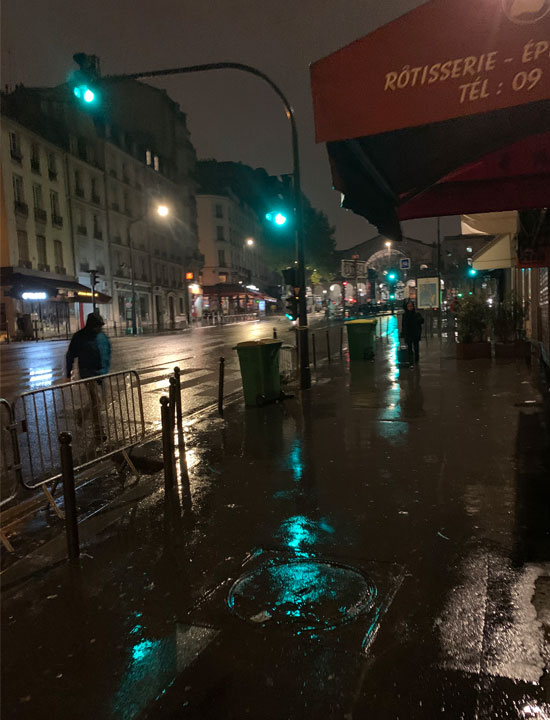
(81, 222)
(54, 203)
(15, 147)
(220, 232)
(23, 246)
(221, 258)
(35, 157)
(148, 157)
(95, 190)
(58, 254)
(156, 165)
(41, 250)
(125, 175)
(37, 196)
(127, 208)
(52, 166)
(222, 277)
(97, 227)
(18, 192)
(78, 187)
(219, 211)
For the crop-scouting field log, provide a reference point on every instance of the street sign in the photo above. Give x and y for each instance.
(354, 269)
(405, 263)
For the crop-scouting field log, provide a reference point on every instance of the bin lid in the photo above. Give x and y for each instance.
(361, 322)
(257, 343)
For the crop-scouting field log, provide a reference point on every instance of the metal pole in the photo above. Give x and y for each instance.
(305, 372)
(439, 271)
(71, 517)
(167, 443)
(134, 319)
(220, 386)
(179, 412)
(313, 350)
(341, 340)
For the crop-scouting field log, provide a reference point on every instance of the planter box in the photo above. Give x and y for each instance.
(517, 349)
(473, 351)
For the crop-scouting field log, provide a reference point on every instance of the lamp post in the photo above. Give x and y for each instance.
(162, 211)
(305, 373)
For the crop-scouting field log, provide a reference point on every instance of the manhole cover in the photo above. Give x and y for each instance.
(308, 593)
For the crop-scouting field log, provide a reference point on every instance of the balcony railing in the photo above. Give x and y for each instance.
(44, 267)
(52, 174)
(35, 165)
(96, 199)
(16, 154)
(79, 192)
(115, 206)
(21, 208)
(25, 264)
(60, 270)
(84, 267)
(98, 235)
(81, 229)
(40, 215)
(57, 220)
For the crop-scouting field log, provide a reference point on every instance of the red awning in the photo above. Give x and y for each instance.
(443, 111)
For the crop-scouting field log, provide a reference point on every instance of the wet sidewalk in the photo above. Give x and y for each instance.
(378, 548)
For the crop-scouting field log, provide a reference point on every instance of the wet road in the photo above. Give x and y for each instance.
(33, 365)
(377, 548)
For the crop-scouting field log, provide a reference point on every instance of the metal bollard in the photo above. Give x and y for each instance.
(179, 412)
(328, 347)
(71, 517)
(313, 350)
(274, 333)
(172, 401)
(341, 340)
(167, 443)
(221, 378)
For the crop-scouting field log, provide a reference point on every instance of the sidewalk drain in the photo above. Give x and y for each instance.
(304, 593)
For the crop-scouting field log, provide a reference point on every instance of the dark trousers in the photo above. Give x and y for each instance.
(413, 345)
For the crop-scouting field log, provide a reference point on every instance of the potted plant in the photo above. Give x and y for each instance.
(472, 324)
(508, 319)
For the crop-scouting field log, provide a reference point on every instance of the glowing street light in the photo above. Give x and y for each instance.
(163, 210)
(250, 242)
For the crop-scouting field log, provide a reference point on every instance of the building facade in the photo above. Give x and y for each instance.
(37, 251)
(119, 167)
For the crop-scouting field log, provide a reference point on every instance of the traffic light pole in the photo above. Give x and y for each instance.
(302, 335)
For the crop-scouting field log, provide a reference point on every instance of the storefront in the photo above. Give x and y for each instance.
(35, 307)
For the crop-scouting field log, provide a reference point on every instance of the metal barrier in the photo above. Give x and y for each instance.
(288, 364)
(104, 416)
(9, 462)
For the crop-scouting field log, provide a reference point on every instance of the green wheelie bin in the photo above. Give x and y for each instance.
(259, 361)
(361, 335)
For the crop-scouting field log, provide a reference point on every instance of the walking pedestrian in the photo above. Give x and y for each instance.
(411, 330)
(91, 347)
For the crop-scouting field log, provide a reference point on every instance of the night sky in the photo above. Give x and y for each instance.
(231, 116)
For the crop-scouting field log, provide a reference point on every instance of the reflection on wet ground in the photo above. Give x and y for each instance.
(376, 548)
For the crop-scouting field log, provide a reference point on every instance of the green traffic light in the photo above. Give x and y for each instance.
(392, 276)
(84, 94)
(276, 217)
(472, 272)
(392, 296)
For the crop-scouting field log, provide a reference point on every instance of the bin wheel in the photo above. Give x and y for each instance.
(260, 400)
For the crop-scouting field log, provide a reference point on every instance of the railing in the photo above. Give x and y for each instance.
(104, 416)
(9, 462)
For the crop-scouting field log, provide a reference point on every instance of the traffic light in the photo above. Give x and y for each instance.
(291, 304)
(392, 296)
(277, 217)
(472, 272)
(85, 82)
(392, 276)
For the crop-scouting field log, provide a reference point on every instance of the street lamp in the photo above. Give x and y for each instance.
(162, 211)
(250, 242)
(305, 373)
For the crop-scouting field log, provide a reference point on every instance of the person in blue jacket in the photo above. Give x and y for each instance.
(91, 347)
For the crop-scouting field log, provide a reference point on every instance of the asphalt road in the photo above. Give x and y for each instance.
(33, 365)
